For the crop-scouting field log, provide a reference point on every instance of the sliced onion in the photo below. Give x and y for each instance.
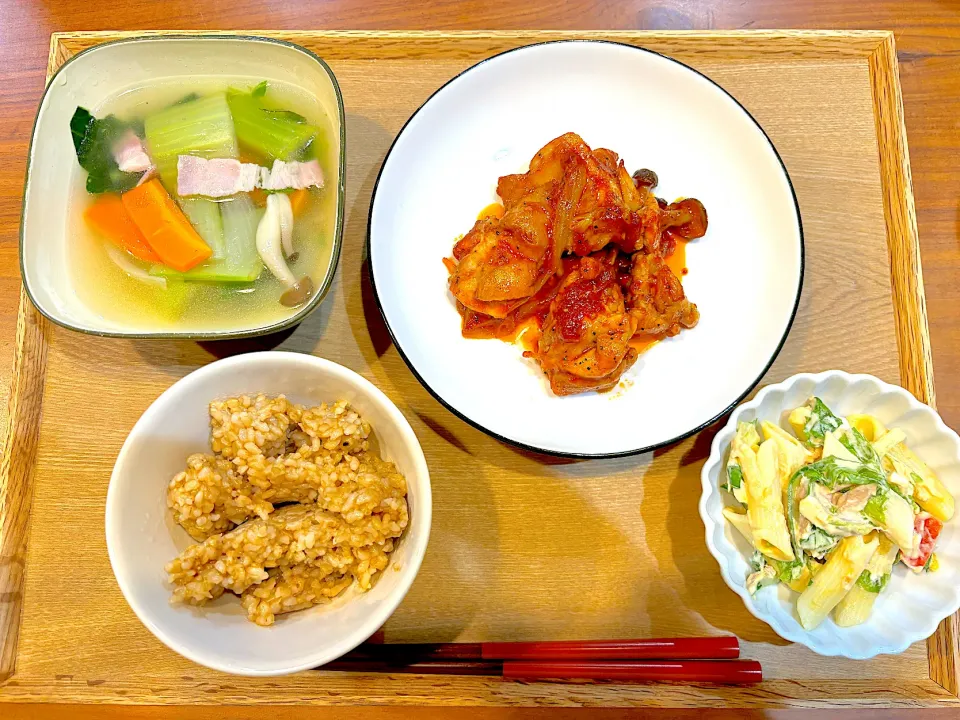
(122, 261)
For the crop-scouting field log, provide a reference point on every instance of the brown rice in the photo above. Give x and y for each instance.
(351, 505)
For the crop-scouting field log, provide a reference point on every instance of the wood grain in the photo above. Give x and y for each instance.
(16, 474)
(436, 45)
(524, 546)
(910, 306)
(238, 712)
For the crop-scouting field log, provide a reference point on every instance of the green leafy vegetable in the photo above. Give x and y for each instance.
(875, 509)
(787, 572)
(821, 421)
(273, 134)
(189, 97)
(734, 478)
(871, 584)
(259, 90)
(769, 571)
(202, 127)
(286, 115)
(854, 441)
(93, 141)
(832, 472)
(818, 543)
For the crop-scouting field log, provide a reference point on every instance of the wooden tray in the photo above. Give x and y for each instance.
(524, 546)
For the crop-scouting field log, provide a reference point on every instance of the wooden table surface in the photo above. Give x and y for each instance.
(928, 41)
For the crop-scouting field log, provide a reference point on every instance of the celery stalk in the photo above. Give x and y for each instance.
(240, 262)
(274, 134)
(202, 127)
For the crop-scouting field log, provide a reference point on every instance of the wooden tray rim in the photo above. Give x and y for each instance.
(876, 47)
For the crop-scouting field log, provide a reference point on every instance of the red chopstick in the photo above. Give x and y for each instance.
(431, 667)
(709, 648)
(731, 672)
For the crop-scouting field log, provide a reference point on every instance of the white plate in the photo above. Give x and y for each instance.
(911, 606)
(142, 537)
(656, 113)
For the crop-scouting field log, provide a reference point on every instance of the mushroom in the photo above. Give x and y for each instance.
(285, 211)
(270, 247)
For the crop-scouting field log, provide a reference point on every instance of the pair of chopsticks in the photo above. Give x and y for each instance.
(706, 660)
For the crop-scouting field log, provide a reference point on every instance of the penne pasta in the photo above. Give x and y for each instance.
(768, 522)
(835, 579)
(830, 511)
(802, 582)
(928, 491)
(740, 521)
(798, 419)
(857, 604)
(868, 425)
(792, 454)
(746, 440)
(887, 442)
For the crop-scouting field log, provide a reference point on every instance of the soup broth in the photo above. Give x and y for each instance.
(127, 289)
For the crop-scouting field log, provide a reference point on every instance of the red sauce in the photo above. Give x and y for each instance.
(581, 300)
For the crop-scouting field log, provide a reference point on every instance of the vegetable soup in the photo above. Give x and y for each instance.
(212, 204)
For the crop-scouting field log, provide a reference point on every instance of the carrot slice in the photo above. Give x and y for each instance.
(298, 200)
(259, 197)
(164, 226)
(108, 217)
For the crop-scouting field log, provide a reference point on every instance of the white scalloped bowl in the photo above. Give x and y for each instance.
(911, 606)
